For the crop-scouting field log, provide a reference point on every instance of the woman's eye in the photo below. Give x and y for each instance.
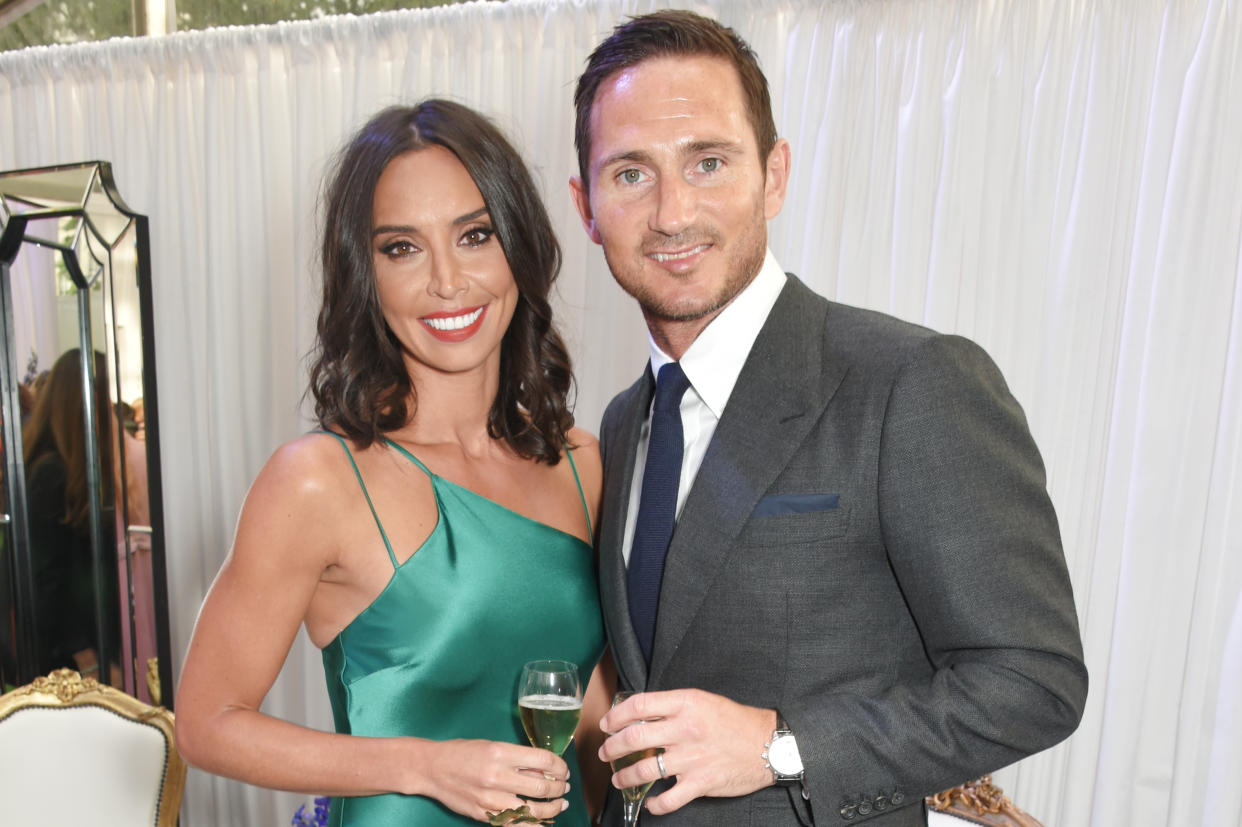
(396, 249)
(477, 236)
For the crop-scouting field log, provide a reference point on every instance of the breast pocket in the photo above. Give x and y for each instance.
(781, 520)
(775, 505)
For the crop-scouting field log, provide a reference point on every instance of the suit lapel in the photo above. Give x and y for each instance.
(621, 440)
(779, 396)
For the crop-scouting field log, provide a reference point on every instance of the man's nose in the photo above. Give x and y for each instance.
(675, 206)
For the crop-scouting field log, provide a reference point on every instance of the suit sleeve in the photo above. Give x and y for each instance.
(972, 540)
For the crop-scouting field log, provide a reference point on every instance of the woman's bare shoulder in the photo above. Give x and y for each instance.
(309, 464)
(302, 479)
(585, 448)
(589, 466)
(582, 441)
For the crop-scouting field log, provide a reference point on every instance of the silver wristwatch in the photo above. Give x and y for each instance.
(780, 755)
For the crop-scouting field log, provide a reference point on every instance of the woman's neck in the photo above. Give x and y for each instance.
(452, 409)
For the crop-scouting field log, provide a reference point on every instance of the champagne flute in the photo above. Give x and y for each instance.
(550, 703)
(633, 796)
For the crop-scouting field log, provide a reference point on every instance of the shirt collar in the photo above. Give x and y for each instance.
(714, 360)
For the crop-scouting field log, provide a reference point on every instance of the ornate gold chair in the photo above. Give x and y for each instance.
(75, 751)
(976, 802)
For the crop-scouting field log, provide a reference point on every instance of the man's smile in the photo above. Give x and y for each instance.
(662, 257)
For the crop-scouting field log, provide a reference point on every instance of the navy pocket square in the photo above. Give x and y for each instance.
(775, 504)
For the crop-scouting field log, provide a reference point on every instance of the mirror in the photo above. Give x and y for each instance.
(82, 576)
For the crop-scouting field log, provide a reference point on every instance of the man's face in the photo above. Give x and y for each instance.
(679, 197)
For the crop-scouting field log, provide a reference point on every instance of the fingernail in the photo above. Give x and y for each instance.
(566, 788)
(564, 806)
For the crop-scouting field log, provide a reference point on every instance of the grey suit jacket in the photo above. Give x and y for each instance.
(869, 548)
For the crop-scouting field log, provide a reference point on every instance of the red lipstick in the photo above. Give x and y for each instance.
(454, 325)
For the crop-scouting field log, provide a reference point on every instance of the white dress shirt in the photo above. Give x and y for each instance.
(712, 364)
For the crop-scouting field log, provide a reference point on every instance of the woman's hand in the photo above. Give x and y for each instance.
(477, 778)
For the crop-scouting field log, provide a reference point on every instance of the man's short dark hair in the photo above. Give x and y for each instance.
(671, 33)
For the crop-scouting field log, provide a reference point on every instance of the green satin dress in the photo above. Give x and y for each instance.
(439, 653)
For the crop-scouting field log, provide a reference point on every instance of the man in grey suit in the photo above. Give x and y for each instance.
(864, 599)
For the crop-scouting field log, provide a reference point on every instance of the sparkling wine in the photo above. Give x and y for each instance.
(635, 794)
(550, 720)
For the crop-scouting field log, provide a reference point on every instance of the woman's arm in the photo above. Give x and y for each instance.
(288, 537)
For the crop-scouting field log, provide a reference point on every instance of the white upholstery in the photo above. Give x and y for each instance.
(99, 757)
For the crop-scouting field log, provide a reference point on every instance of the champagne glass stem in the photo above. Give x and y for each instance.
(631, 812)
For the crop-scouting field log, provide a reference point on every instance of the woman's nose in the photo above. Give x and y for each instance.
(447, 279)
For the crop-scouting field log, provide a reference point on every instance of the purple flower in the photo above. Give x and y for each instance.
(320, 817)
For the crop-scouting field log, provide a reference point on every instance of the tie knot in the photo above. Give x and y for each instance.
(670, 387)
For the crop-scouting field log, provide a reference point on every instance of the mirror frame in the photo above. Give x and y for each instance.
(12, 237)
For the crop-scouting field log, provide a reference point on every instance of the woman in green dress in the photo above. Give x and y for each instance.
(436, 533)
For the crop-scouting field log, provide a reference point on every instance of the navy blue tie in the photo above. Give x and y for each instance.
(657, 504)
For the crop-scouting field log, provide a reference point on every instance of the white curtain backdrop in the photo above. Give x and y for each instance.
(1057, 179)
(35, 317)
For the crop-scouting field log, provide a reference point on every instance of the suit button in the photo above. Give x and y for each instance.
(897, 797)
(881, 803)
(864, 807)
(848, 809)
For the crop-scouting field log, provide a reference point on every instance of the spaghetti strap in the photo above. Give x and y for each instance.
(410, 457)
(581, 495)
(366, 494)
(568, 452)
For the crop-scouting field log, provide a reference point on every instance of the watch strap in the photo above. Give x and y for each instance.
(782, 730)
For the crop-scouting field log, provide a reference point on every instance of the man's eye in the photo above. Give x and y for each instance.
(631, 176)
(710, 164)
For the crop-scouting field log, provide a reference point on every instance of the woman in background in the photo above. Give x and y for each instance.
(58, 502)
(436, 534)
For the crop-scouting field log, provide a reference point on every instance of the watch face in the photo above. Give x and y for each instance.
(784, 757)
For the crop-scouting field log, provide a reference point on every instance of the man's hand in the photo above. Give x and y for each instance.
(712, 745)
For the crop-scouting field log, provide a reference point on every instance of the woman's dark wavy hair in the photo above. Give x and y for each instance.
(57, 425)
(359, 381)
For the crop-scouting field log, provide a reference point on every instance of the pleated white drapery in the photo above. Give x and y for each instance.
(1056, 179)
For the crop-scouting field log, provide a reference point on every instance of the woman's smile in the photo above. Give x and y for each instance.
(455, 326)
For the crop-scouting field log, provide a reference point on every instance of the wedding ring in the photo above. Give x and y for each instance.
(660, 764)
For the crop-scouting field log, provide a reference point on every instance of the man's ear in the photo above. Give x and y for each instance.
(776, 178)
(582, 200)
